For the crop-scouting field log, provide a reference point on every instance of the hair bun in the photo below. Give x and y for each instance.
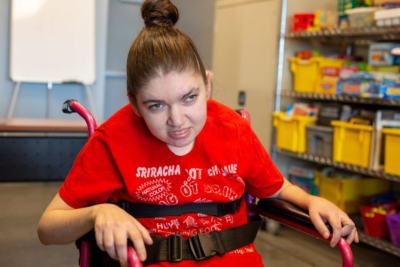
(159, 13)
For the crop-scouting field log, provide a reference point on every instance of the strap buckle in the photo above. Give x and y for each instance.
(204, 246)
(175, 248)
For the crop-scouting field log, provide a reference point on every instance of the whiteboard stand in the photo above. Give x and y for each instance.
(14, 100)
(91, 102)
(48, 108)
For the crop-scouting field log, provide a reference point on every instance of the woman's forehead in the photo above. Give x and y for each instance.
(172, 83)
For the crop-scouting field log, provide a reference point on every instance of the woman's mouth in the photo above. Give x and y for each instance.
(179, 134)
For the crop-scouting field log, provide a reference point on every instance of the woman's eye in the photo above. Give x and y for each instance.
(191, 98)
(156, 106)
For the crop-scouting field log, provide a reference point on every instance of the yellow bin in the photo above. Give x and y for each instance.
(392, 149)
(308, 73)
(352, 142)
(291, 134)
(350, 193)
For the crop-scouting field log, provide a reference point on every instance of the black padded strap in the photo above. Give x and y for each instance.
(198, 247)
(201, 246)
(142, 210)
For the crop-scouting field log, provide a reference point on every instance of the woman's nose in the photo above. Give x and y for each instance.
(176, 117)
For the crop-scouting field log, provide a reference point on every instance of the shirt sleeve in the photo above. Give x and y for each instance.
(262, 178)
(94, 175)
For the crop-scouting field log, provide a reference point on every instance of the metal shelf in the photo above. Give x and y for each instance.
(343, 98)
(352, 32)
(373, 241)
(381, 244)
(358, 36)
(344, 166)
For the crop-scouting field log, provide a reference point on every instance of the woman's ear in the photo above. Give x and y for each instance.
(134, 106)
(208, 85)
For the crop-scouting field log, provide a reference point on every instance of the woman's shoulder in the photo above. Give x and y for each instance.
(221, 114)
(122, 120)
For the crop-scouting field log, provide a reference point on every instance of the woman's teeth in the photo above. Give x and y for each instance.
(180, 132)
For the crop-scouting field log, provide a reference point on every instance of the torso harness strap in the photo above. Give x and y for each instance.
(197, 247)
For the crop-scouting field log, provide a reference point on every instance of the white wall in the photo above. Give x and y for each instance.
(117, 24)
(32, 101)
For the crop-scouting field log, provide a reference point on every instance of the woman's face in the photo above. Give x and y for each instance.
(174, 107)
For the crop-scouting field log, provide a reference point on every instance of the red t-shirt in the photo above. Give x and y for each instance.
(124, 161)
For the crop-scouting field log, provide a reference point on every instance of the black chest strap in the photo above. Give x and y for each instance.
(142, 210)
(201, 246)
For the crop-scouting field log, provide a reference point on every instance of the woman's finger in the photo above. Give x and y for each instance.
(319, 224)
(351, 236)
(99, 239)
(120, 242)
(109, 244)
(137, 240)
(143, 231)
(336, 225)
(347, 229)
(356, 239)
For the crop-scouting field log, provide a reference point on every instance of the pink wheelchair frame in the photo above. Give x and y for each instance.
(278, 210)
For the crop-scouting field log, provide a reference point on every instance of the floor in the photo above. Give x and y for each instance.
(21, 205)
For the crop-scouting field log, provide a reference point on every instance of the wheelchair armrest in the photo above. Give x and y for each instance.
(286, 213)
(292, 216)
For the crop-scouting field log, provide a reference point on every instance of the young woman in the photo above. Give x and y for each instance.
(172, 146)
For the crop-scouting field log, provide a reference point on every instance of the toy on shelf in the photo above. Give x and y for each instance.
(307, 54)
(302, 21)
(361, 17)
(380, 54)
(326, 19)
(303, 177)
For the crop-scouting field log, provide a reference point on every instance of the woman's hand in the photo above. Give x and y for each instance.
(113, 226)
(322, 211)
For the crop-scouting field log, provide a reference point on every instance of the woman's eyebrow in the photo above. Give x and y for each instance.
(152, 101)
(193, 90)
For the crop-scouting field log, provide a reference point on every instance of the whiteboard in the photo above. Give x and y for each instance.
(53, 41)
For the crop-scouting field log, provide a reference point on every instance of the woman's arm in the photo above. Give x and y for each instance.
(62, 224)
(321, 211)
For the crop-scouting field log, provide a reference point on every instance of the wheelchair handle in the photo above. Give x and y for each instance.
(133, 259)
(299, 219)
(72, 106)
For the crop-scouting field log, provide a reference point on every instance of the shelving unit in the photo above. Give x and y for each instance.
(375, 242)
(349, 37)
(352, 32)
(342, 98)
(339, 165)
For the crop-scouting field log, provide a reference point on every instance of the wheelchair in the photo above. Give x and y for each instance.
(275, 209)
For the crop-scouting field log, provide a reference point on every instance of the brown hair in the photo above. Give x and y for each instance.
(160, 48)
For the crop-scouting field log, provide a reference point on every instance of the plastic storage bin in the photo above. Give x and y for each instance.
(393, 222)
(291, 133)
(392, 148)
(349, 193)
(361, 17)
(351, 142)
(375, 224)
(320, 140)
(307, 73)
(387, 17)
